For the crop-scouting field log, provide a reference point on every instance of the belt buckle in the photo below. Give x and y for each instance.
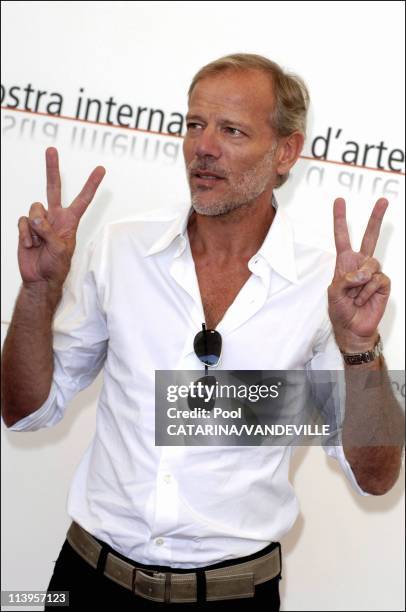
(168, 583)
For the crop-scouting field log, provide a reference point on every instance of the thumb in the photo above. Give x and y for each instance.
(41, 227)
(342, 284)
(357, 278)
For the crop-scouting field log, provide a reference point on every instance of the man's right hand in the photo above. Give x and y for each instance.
(47, 238)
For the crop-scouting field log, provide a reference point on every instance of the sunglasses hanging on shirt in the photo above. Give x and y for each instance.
(207, 346)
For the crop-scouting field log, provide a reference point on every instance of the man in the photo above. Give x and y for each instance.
(182, 525)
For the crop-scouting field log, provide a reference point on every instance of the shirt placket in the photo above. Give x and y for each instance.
(167, 497)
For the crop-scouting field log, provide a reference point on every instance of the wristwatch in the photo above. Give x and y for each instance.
(367, 357)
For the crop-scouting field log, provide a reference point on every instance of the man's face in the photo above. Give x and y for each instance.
(229, 146)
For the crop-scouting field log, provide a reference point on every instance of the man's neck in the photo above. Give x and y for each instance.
(235, 235)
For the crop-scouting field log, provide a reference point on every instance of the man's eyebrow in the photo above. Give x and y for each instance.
(191, 116)
(222, 121)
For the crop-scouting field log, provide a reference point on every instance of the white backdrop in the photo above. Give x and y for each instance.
(345, 552)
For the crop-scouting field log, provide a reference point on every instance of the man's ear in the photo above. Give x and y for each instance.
(288, 152)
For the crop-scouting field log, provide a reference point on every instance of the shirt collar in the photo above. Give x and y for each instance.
(277, 249)
(177, 229)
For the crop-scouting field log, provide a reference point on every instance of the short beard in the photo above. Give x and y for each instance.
(248, 187)
(217, 208)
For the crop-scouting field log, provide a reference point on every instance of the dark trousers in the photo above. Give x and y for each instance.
(89, 588)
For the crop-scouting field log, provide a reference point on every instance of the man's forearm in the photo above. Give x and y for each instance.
(373, 427)
(27, 363)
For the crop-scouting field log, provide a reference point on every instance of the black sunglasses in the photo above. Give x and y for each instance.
(207, 345)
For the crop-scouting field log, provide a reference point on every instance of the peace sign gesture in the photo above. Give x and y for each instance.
(359, 290)
(47, 238)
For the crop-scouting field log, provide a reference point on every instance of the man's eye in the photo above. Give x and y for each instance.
(192, 126)
(233, 131)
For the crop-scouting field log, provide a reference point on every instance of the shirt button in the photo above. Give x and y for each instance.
(159, 541)
(167, 478)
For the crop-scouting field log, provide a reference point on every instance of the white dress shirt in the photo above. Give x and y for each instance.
(135, 307)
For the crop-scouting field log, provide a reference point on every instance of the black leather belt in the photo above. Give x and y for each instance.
(232, 582)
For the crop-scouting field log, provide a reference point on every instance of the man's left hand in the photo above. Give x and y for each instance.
(359, 291)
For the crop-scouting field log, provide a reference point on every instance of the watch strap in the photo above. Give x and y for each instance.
(366, 357)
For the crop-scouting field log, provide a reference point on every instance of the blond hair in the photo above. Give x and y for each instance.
(290, 91)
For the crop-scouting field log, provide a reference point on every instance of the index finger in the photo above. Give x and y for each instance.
(53, 178)
(82, 201)
(341, 235)
(373, 228)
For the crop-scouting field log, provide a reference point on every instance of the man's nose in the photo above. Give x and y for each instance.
(208, 143)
